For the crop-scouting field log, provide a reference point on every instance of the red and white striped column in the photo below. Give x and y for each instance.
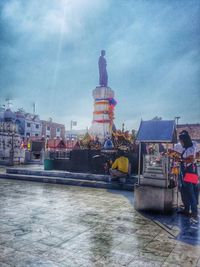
(103, 114)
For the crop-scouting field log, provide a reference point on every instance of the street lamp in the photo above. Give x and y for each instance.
(177, 119)
(72, 123)
(12, 149)
(54, 150)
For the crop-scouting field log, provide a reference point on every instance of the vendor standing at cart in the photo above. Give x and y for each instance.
(188, 176)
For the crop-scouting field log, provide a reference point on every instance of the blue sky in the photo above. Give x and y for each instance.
(49, 52)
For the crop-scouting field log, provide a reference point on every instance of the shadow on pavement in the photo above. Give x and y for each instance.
(178, 226)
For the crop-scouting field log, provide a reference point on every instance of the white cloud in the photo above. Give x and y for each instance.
(42, 19)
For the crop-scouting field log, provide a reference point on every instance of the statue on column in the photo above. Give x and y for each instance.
(103, 76)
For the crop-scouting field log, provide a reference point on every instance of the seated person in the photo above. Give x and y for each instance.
(120, 167)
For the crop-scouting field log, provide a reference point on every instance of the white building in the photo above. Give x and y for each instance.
(33, 126)
(29, 125)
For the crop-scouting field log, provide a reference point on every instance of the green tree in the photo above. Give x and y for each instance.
(156, 118)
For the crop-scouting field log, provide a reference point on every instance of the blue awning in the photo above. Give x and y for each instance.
(157, 131)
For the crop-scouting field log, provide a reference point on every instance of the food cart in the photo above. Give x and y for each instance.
(156, 189)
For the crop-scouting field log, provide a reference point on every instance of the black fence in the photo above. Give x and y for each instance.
(92, 161)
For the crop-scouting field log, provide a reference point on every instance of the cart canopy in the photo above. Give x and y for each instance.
(157, 131)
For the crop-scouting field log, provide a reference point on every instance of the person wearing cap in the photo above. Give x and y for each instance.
(120, 167)
(188, 187)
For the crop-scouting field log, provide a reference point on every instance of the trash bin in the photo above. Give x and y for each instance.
(48, 164)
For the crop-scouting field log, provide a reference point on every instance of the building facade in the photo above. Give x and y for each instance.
(52, 129)
(29, 125)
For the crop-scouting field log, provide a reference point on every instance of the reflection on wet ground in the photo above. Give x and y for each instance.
(52, 225)
(180, 227)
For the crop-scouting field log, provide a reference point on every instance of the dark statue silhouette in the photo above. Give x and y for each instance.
(103, 76)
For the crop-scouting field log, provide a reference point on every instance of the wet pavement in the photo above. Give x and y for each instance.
(54, 225)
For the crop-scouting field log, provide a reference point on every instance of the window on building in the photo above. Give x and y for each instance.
(37, 126)
(48, 136)
(28, 124)
(28, 134)
(36, 134)
(48, 128)
(58, 129)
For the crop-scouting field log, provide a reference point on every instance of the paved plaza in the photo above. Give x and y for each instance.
(54, 225)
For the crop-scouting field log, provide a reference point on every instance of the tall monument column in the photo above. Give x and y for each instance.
(104, 103)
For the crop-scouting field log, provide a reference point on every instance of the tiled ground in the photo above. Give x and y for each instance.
(51, 225)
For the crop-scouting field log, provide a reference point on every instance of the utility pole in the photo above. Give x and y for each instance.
(70, 138)
(33, 108)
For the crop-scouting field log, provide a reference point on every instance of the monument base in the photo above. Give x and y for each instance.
(150, 198)
(102, 120)
(100, 130)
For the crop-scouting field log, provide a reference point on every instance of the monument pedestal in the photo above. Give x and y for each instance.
(151, 198)
(103, 112)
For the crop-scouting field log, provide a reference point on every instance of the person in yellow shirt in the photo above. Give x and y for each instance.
(120, 167)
